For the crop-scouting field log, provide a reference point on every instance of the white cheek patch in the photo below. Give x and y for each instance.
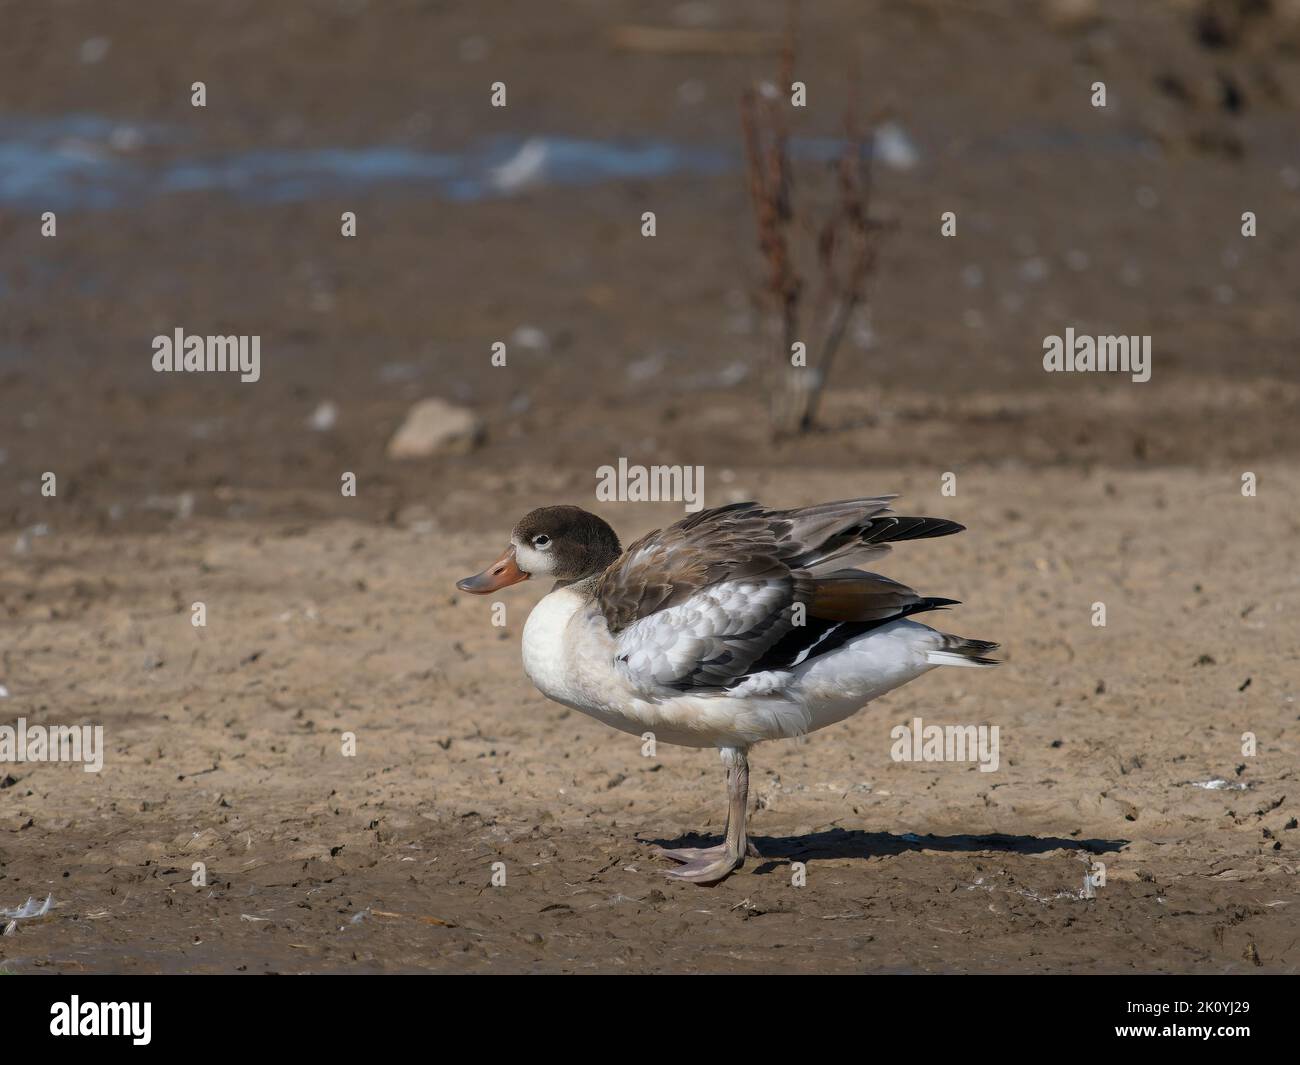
(530, 560)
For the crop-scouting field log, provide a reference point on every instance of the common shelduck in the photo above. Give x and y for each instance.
(735, 625)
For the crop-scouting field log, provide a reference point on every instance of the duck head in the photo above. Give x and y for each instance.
(565, 543)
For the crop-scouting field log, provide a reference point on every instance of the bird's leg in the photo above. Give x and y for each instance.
(738, 798)
(705, 865)
(751, 851)
(738, 808)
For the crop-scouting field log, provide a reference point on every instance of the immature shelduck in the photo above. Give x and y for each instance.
(736, 625)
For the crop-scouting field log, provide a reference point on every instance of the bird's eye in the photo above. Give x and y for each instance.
(541, 542)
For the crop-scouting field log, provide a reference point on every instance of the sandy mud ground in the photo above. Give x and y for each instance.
(330, 615)
(224, 748)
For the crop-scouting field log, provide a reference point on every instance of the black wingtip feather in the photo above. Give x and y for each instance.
(891, 528)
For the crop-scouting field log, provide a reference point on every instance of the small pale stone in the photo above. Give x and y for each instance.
(434, 427)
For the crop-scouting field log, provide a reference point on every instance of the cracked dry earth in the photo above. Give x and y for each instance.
(224, 747)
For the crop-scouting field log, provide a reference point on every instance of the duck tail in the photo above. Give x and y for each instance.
(959, 651)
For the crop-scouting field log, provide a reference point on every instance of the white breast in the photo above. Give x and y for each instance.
(545, 646)
(569, 654)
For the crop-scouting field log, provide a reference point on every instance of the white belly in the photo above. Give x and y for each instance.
(569, 655)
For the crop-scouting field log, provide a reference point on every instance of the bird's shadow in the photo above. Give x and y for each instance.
(855, 843)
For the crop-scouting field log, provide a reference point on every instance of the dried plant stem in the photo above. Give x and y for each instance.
(846, 246)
